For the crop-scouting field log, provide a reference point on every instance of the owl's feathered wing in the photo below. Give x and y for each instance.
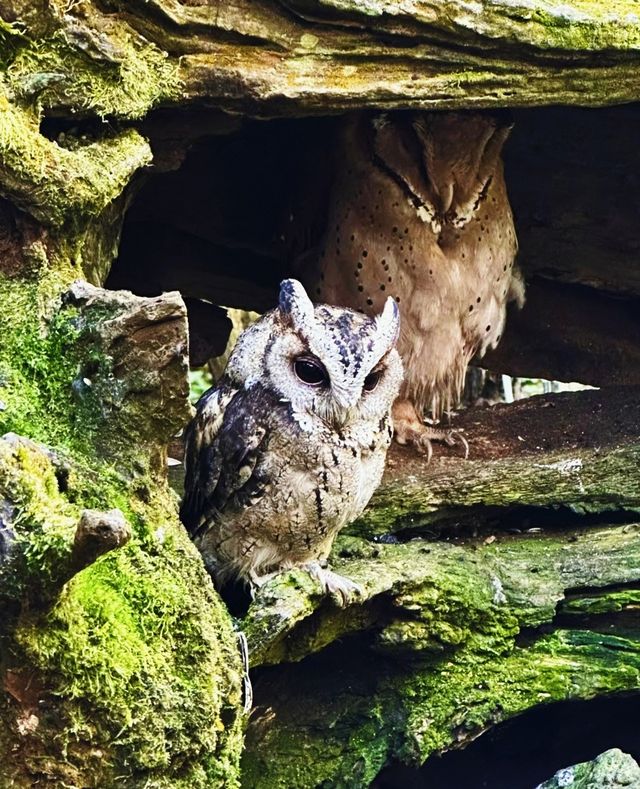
(225, 455)
(419, 211)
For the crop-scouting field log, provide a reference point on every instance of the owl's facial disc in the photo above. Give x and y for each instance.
(334, 363)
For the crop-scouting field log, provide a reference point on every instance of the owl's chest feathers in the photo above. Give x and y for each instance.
(322, 479)
(323, 451)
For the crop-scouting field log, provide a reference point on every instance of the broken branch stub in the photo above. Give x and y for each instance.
(98, 533)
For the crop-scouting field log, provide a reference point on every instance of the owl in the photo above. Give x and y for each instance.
(419, 211)
(290, 444)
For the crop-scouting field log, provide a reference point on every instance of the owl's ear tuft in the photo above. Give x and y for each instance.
(295, 304)
(388, 323)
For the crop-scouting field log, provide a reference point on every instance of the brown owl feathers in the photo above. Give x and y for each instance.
(419, 211)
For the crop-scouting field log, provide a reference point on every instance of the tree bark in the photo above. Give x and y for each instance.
(122, 665)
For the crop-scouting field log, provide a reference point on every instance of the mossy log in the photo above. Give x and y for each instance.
(265, 58)
(311, 57)
(490, 586)
(118, 662)
(120, 667)
(613, 769)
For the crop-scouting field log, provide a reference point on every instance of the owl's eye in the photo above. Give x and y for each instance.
(310, 371)
(372, 380)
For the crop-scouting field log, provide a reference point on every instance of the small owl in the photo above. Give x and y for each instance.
(419, 211)
(289, 446)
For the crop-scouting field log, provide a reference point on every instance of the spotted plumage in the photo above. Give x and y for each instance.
(290, 445)
(419, 211)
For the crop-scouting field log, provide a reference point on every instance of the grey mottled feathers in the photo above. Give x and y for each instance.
(225, 444)
(290, 445)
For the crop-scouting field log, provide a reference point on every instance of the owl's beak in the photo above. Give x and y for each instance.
(445, 193)
(341, 417)
(343, 408)
(337, 412)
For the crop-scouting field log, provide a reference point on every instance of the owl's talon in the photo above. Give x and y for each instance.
(449, 437)
(409, 429)
(342, 589)
(256, 581)
(464, 443)
(420, 441)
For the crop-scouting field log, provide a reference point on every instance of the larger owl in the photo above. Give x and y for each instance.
(289, 446)
(419, 211)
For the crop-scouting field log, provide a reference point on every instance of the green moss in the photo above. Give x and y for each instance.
(472, 692)
(11, 39)
(134, 660)
(39, 361)
(47, 523)
(61, 187)
(609, 601)
(359, 710)
(129, 650)
(446, 641)
(125, 80)
(137, 653)
(57, 382)
(585, 25)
